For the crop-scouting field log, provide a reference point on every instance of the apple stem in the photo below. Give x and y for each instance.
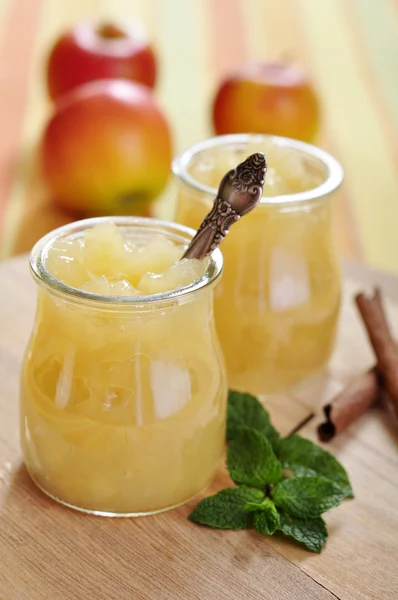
(110, 32)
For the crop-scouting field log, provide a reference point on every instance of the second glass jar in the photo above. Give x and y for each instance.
(277, 305)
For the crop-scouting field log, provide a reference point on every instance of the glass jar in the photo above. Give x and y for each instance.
(277, 305)
(123, 399)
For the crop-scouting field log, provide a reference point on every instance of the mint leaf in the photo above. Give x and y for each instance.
(295, 452)
(251, 460)
(244, 410)
(226, 510)
(266, 519)
(306, 497)
(312, 533)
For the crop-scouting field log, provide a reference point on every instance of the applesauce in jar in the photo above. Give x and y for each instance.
(277, 305)
(123, 386)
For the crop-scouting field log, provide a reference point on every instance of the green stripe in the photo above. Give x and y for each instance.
(379, 21)
(184, 90)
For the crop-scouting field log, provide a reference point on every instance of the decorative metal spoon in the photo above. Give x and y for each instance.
(240, 191)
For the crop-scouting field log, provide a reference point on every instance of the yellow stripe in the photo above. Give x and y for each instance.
(370, 171)
(4, 8)
(255, 25)
(271, 31)
(184, 89)
(14, 208)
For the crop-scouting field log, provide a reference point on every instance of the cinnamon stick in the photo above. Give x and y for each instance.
(386, 351)
(350, 404)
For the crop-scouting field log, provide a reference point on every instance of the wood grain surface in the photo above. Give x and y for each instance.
(48, 552)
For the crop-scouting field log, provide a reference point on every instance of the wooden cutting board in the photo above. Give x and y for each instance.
(48, 552)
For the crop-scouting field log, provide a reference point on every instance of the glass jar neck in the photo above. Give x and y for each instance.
(139, 230)
(217, 149)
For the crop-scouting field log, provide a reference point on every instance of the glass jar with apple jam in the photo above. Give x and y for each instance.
(123, 385)
(277, 305)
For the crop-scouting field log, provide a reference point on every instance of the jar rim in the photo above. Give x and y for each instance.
(40, 272)
(334, 175)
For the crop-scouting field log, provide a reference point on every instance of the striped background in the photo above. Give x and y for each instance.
(349, 47)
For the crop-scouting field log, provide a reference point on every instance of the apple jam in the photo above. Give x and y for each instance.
(123, 387)
(277, 305)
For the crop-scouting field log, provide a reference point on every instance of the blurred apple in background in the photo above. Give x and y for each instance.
(87, 53)
(106, 149)
(273, 98)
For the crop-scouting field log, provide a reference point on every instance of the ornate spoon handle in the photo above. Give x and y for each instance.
(240, 191)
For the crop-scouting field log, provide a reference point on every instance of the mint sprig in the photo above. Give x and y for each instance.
(285, 484)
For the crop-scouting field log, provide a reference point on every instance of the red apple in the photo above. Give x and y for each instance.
(88, 53)
(106, 149)
(270, 98)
